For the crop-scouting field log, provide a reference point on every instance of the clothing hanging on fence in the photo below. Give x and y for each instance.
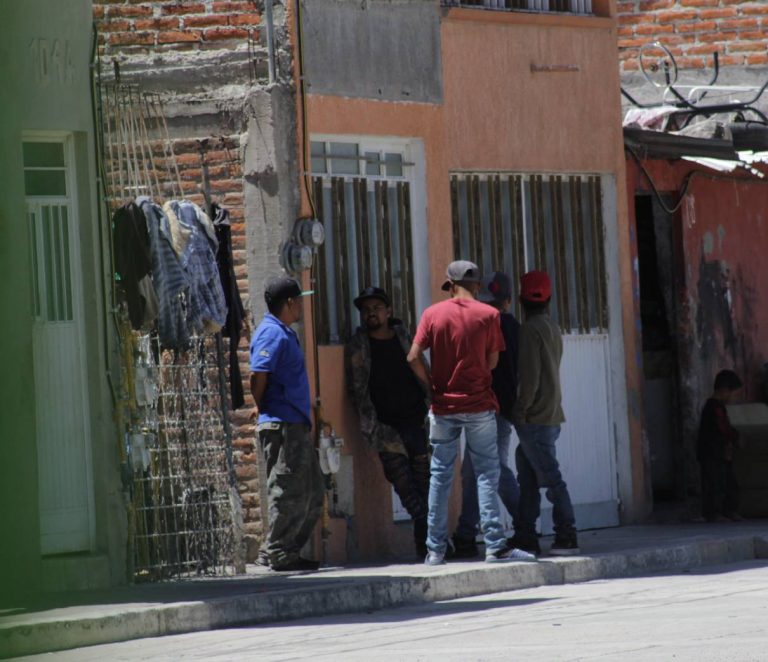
(235, 311)
(133, 264)
(168, 277)
(206, 305)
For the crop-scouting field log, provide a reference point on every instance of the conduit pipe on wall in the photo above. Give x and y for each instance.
(270, 29)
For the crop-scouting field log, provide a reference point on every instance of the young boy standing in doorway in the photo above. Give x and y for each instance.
(716, 443)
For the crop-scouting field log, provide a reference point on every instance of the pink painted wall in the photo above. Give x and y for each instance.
(497, 115)
(722, 235)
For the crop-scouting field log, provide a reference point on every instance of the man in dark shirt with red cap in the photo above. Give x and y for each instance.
(537, 416)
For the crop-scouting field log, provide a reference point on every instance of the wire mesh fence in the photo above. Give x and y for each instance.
(185, 507)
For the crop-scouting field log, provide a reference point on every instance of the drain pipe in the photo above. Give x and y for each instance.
(270, 26)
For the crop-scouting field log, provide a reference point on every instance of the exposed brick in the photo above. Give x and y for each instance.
(184, 8)
(168, 23)
(699, 3)
(761, 35)
(244, 472)
(245, 19)
(723, 37)
(706, 14)
(635, 43)
(731, 60)
(757, 59)
(205, 21)
(218, 34)
(691, 62)
(131, 38)
(654, 29)
(117, 25)
(675, 16)
(177, 36)
(652, 5)
(696, 26)
(231, 7)
(760, 9)
(742, 46)
(635, 19)
(739, 24)
(702, 49)
(129, 11)
(98, 12)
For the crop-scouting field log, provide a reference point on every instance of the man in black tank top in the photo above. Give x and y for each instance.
(391, 403)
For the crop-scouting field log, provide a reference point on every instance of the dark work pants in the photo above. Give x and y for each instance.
(537, 467)
(719, 488)
(295, 489)
(409, 476)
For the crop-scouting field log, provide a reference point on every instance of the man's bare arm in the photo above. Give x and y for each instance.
(258, 386)
(419, 365)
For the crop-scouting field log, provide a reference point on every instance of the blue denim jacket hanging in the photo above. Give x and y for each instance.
(194, 240)
(168, 277)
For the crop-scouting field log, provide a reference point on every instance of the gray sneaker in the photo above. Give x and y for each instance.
(508, 555)
(434, 558)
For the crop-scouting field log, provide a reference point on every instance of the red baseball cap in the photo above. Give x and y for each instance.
(535, 286)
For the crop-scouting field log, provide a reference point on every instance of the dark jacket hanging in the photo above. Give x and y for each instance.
(132, 259)
(235, 311)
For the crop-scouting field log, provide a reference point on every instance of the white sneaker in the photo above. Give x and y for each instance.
(508, 555)
(434, 558)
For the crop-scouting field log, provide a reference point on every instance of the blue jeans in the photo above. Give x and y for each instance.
(480, 432)
(537, 467)
(508, 491)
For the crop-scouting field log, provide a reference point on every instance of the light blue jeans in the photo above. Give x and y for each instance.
(509, 491)
(480, 432)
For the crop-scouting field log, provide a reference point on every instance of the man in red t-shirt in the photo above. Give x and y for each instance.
(465, 339)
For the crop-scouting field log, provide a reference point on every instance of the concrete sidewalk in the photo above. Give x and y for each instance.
(132, 612)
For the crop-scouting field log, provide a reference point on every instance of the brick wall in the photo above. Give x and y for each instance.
(201, 33)
(693, 30)
(127, 26)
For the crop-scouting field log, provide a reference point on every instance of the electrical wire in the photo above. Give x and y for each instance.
(687, 182)
(314, 273)
(303, 94)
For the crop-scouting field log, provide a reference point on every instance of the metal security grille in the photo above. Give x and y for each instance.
(570, 6)
(368, 242)
(185, 511)
(51, 268)
(515, 223)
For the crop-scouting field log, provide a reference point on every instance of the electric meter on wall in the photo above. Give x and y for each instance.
(309, 232)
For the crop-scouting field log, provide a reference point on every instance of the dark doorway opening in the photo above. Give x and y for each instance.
(656, 262)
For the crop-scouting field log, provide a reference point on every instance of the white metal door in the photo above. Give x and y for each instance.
(585, 448)
(63, 444)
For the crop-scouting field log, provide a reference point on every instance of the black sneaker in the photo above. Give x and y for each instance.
(462, 548)
(528, 544)
(263, 558)
(565, 545)
(295, 565)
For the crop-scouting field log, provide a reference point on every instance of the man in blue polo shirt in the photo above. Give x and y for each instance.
(280, 389)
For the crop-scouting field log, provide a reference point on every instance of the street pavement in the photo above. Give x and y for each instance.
(715, 613)
(76, 620)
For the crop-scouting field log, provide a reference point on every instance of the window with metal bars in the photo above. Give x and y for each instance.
(515, 223)
(364, 202)
(564, 6)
